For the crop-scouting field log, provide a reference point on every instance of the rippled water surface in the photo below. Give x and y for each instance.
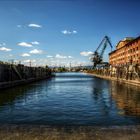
(71, 99)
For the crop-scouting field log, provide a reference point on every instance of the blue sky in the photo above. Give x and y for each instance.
(57, 32)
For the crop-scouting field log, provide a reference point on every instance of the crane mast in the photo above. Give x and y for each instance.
(97, 57)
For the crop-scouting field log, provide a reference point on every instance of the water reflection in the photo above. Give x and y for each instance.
(127, 98)
(71, 99)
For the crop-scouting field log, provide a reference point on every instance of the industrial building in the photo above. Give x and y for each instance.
(127, 52)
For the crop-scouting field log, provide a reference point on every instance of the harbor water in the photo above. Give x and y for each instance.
(71, 99)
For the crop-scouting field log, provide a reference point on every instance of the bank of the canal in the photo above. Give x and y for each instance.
(124, 74)
(12, 75)
(121, 80)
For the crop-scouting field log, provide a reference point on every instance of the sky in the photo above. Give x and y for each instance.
(60, 32)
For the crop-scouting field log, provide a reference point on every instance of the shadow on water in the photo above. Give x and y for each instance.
(8, 96)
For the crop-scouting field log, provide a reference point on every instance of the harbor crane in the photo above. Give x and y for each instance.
(97, 56)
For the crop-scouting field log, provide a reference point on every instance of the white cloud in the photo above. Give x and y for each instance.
(63, 56)
(74, 32)
(36, 51)
(10, 55)
(5, 49)
(60, 56)
(67, 32)
(86, 53)
(28, 60)
(25, 44)
(35, 43)
(25, 55)
(34, 25)
(49, 56)
(70, 57)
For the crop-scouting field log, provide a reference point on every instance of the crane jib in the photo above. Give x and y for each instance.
(98, 54)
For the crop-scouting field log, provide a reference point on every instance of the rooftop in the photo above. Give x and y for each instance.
(125, 42)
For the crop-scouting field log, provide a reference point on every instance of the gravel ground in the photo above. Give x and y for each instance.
(10, 132)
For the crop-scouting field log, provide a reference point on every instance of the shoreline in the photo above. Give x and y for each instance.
(129, 82)
(11, 84)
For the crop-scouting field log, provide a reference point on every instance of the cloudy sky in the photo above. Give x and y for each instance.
(59, 32)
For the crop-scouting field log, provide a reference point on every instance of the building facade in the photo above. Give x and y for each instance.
(127, 52)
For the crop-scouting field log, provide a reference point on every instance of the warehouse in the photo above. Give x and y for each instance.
(127, 52)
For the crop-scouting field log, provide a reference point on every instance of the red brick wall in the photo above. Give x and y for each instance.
(124, 55)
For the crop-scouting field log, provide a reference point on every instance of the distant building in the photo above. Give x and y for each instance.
(127, 52)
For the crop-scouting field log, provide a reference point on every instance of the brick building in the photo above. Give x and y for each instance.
(127, 52)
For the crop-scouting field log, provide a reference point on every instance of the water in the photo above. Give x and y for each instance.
(71, 99)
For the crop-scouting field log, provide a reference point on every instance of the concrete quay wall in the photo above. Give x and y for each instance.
(125, 74)
(13, 75)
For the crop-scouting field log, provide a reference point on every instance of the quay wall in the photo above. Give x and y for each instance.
(125, 74)
(13, 75)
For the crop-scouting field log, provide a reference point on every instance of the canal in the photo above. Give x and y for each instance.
(71, 99)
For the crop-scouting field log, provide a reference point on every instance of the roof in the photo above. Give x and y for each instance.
(124, 42)
(129, 43)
